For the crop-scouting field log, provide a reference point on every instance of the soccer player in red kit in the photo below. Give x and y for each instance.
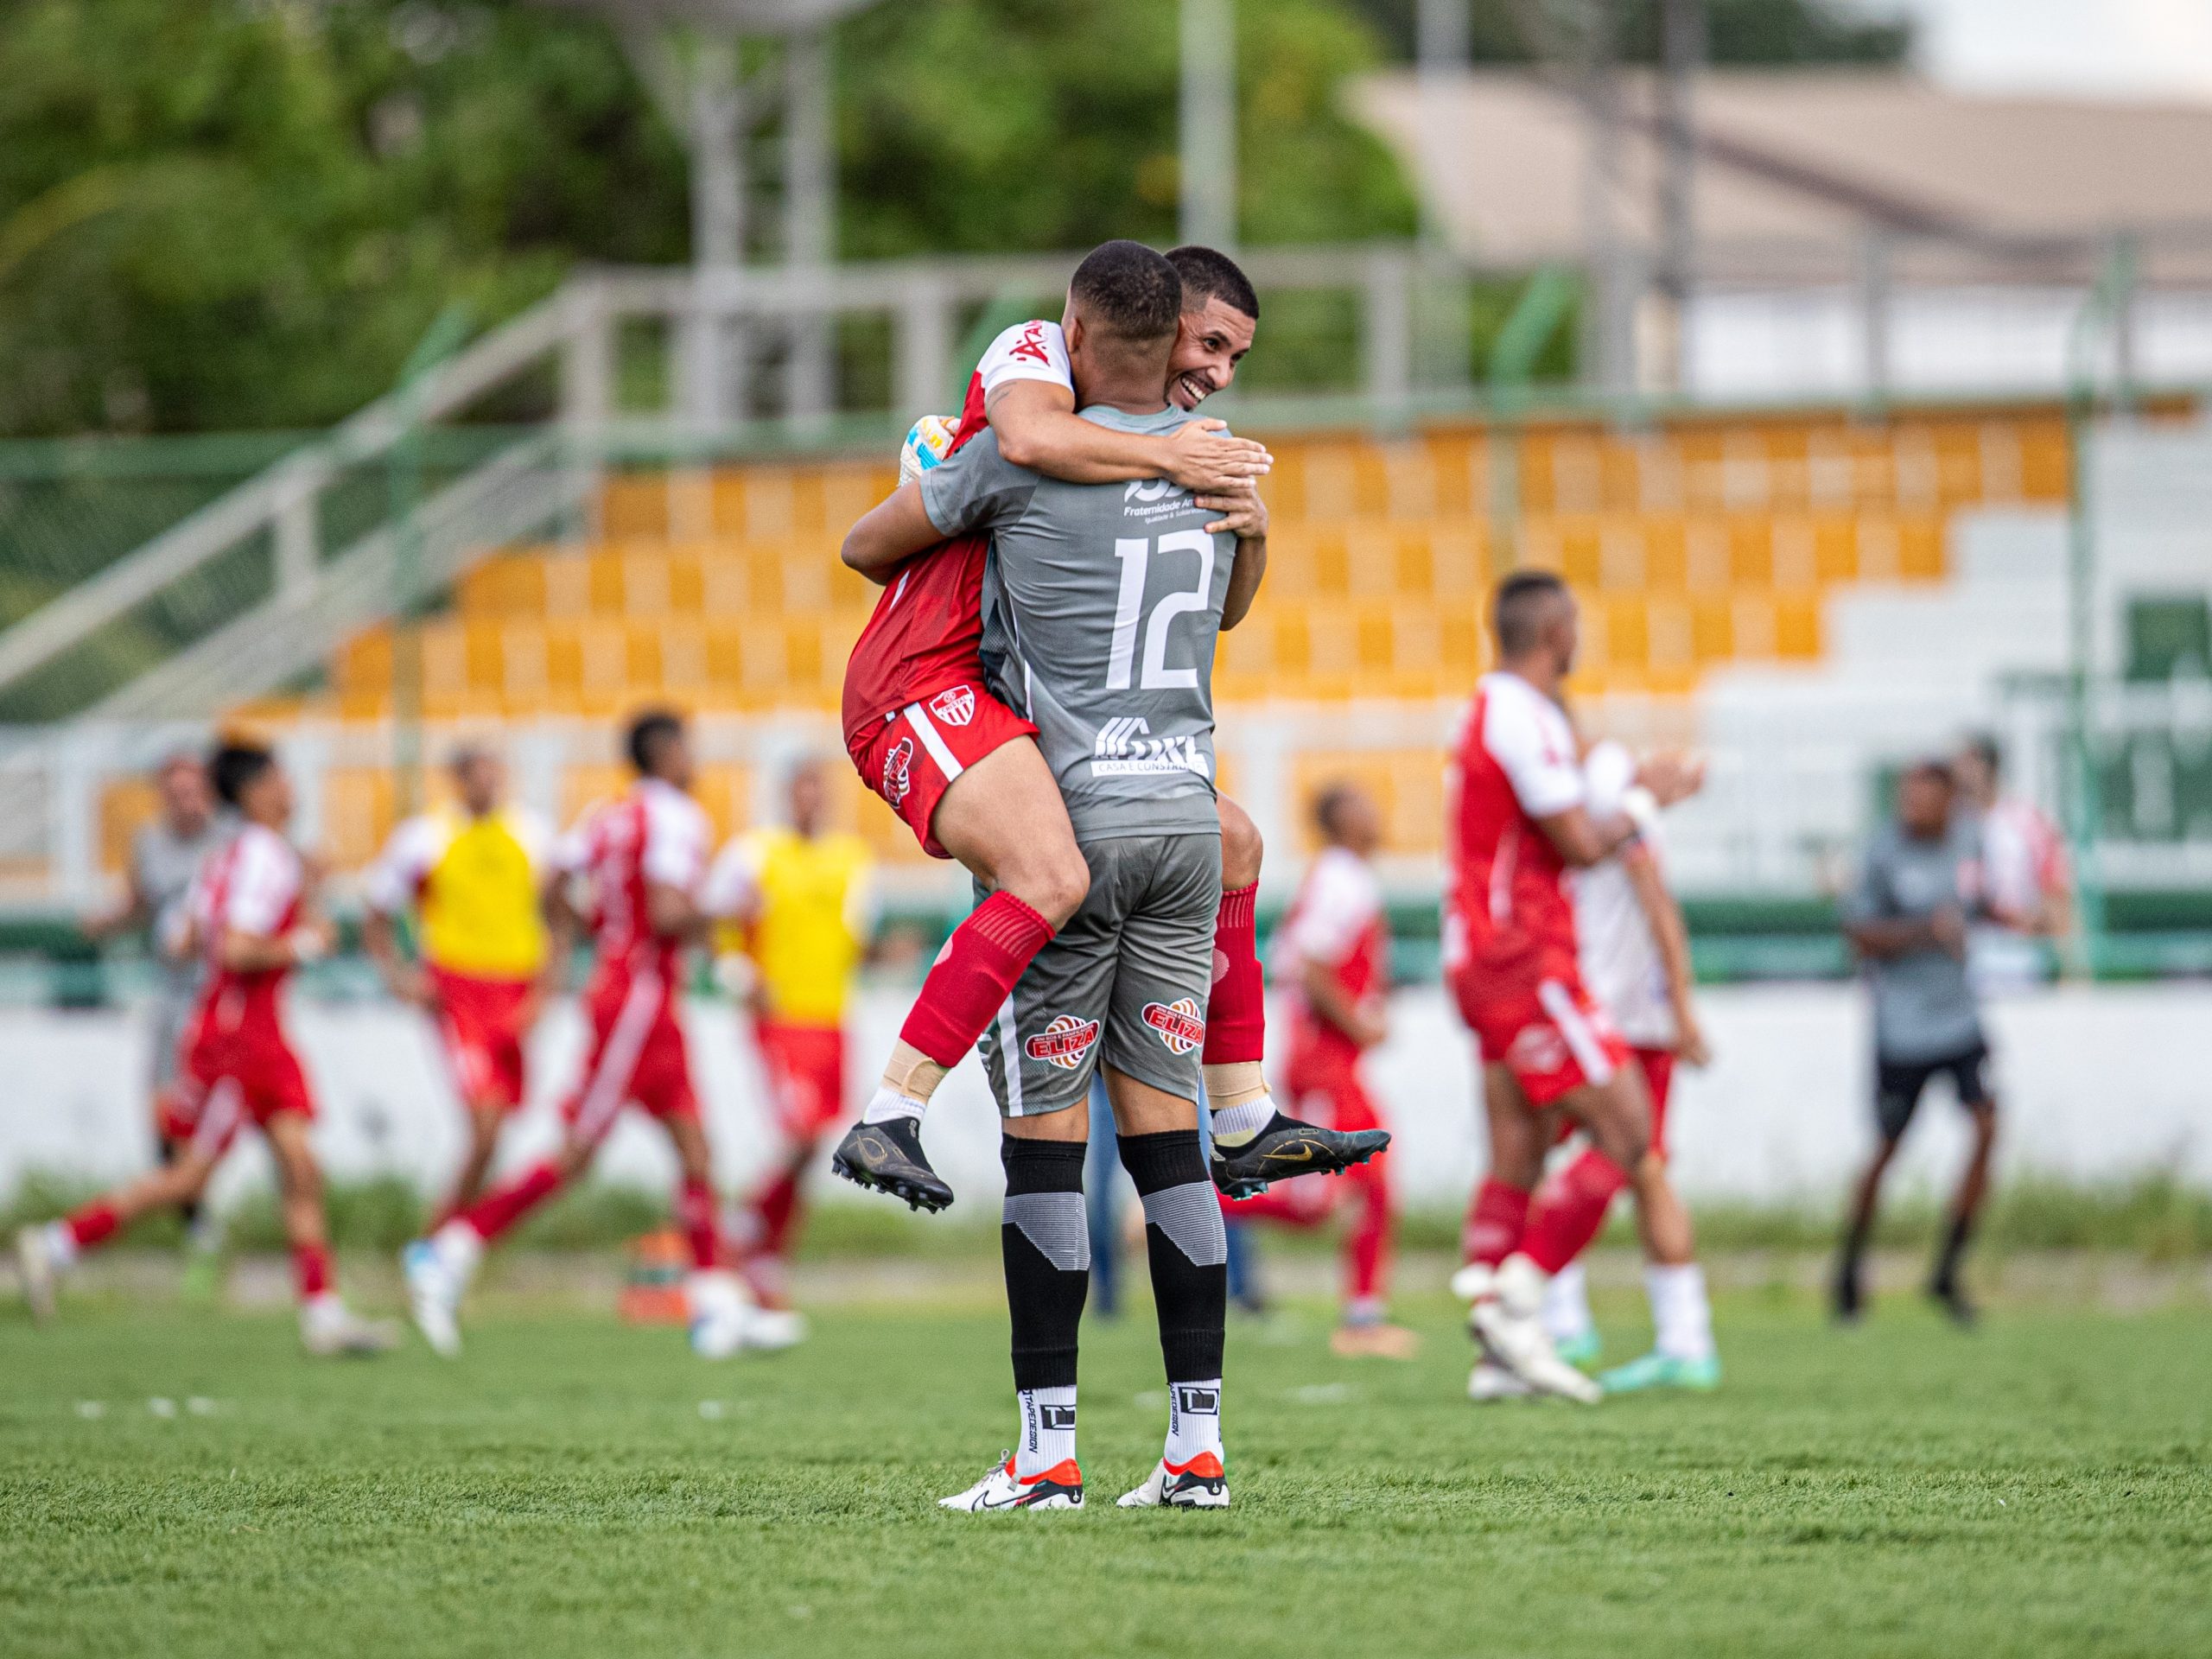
(959, 768)
(1635, 959)
(643, 860)
(1333, 950)
(251, 911)
(1517, 820)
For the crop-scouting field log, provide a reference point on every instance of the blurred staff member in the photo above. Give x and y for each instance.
(253, 911)
(474, 874)
(165, 858)
(1334, 952)
(2026, 882)
(798, 909)
(1907, 918)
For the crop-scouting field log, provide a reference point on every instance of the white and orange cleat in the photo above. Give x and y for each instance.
(1060, 1487)
(1201, 1484)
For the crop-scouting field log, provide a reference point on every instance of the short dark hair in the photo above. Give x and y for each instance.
(1128, 291)
(648, 731)
(1934, 767)
(1517, 610)
(1985, 745)
(1209, 274)
(1329, 806)
(233, 767)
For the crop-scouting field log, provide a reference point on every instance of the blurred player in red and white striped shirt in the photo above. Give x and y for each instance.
(1518, 819)
(1636, 961)
(251, 911)
(1333, 950)
(643, 860)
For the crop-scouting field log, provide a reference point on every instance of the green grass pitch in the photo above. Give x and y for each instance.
(575, 1487)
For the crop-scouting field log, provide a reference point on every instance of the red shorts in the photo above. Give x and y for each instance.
(229, 1078)
(1548, 1032)
(911, 759)
(1657, 1066)
(480, 1022)
(637, 1055)
(806, 1075)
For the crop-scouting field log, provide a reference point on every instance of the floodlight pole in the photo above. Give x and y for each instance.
(1682, 52)
(1208, 119)
(809, 187)
(1443, 51)
(715, 94)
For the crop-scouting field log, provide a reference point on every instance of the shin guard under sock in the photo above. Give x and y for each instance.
(1187, 1248)
(1045, 1237)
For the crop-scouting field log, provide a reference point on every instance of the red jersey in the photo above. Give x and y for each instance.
(656, 833)
(1337, 921)
(1506, 906)
(254, 885)
(926, 632)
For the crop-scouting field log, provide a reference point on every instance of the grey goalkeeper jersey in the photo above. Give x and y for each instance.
(1101, 603)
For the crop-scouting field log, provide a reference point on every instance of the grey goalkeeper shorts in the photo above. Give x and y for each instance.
(1126, 981)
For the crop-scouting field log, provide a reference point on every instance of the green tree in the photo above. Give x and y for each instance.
(994, 124)
(216, 214)
(242, 214)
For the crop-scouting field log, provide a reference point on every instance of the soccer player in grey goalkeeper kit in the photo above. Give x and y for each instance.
(1102, 605)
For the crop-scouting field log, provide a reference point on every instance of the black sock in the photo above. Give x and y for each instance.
(1955, 1246)
(1187, 1247)
(1046, 1239)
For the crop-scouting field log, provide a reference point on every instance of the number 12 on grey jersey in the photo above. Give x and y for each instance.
(1102, 605)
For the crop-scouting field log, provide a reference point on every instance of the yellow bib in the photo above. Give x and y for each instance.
(480, 903)
(804, 944)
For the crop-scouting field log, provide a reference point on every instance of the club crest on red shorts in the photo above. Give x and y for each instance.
(1178, 1024)
(955, 705)
(897, 776)
(1063, 1042)
(1537, 1051)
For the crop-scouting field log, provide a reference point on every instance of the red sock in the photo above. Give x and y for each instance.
(1496, 1220)
(1367, 1247)
(695, 1216)
(93, 1224)
(311, 1269)
(775, 1209)
(1570, 1208)
(1304, 1201)
(502, 1207)
(1237, 1013)
(980, 962)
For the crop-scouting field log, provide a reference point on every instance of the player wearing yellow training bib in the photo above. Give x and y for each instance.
(473, 874)
(798, 913)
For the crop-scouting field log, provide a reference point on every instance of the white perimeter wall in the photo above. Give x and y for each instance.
(2095, 1083)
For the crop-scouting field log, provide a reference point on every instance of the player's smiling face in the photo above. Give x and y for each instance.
(1209, 345)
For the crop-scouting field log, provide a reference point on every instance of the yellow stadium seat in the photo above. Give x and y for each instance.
(360, 804)
(126, 806)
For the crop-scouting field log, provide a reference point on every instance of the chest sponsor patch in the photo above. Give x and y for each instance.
(955, 705)
(898, 774)
(1177, 1023)
(1063, 1042)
